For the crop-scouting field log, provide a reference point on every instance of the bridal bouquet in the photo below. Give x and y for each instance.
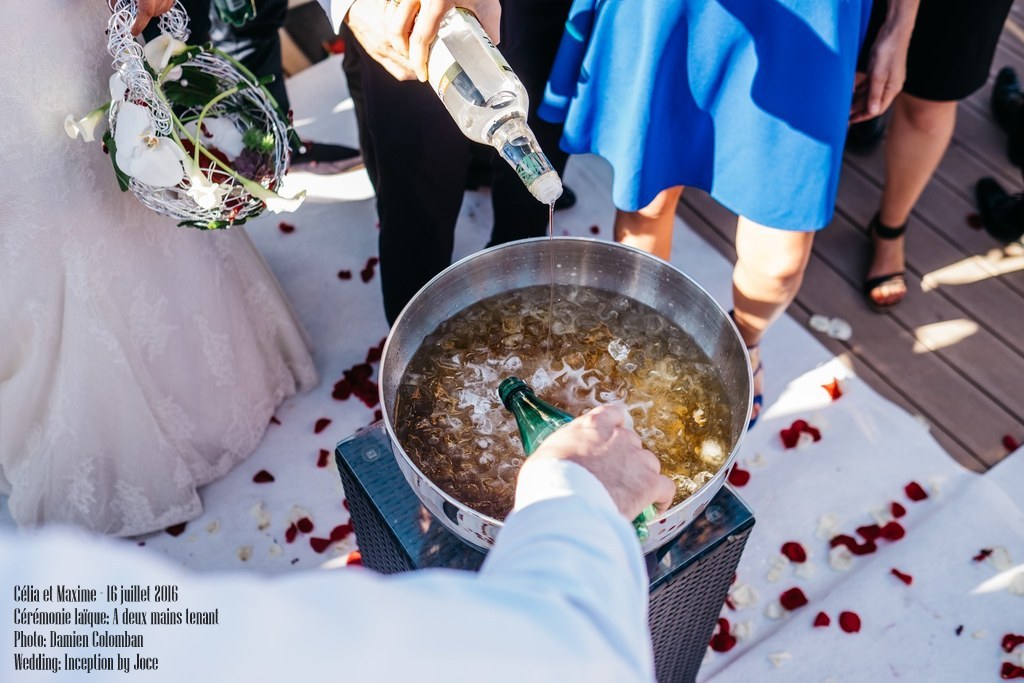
(191, 132)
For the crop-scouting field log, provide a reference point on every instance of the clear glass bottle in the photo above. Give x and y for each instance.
(487, 100)
(537, 420)
(235, 12)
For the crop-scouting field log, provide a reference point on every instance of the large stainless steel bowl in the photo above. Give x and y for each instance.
(602, 265)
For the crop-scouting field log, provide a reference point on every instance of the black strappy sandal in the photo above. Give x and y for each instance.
(876, 229)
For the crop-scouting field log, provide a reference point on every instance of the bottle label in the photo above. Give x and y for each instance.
(532, 166)
(442, 68)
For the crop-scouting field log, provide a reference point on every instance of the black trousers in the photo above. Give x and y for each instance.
(417, 157)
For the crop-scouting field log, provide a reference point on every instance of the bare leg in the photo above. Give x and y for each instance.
(650, 228)
(770, 267)
(919, 133)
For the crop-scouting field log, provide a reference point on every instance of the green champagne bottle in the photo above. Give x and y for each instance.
(235, 12)
(537, 420)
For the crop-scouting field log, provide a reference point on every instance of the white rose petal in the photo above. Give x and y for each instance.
(245, 553)
(779, 658)
(1000, 558)
(840, 558)
(805, 570)
(882, 516)
(776, 567)
(213, 527)
(840, 329)
(774, 610)
(743, 631)
(298, 513)
(742, 595)
(259, 511)
(828, 525)
(819, 323)
(980, 633)
(275, 550)
(757, 461)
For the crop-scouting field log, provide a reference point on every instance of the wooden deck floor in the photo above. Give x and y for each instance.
(953, 350)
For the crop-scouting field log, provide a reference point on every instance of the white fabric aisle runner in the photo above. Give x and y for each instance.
(870, 449)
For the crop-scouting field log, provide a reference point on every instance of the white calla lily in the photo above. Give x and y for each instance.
(220, 134)
(203, 191)
(161, 49)
(85, 126)
(271, 199)
(153, 160)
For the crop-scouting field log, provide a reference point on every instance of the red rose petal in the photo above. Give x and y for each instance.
(893, 531)
(1010, 444)
(794, 551)
(290, 533)
(821, 620)
(722, 640)
(354, 558)
(594, 230)
(792, 599)
(915, 492)
(367, 272)
(789, 437)
(982, 554)
(286, 228)
(814, 432)
(324, 458)
(356, 382)
(274, 420)
(263, 477)
(849, 622)
(321, 424)
(799, 425)
(305, 525)
(378, 415)
(341, 532)
(373, 355)
(730, 604)
(344, 503)
(905, 578)
(869, 532)
(738, 476)
(1011, 641)
(835, 391)
(865, 548)
(176, 530)
(319, 544)
(897, 510)
(344, 274)
(1010, 671)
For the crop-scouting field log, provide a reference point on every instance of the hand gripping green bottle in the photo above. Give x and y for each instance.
(537, 420)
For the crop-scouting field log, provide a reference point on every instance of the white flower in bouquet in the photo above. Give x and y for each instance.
(85, 126)
(219, 134)
(151, 159)
(159, 53)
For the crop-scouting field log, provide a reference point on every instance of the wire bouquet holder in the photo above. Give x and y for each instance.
(192, 133)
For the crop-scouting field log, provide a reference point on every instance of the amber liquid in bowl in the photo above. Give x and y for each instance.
(588, 348)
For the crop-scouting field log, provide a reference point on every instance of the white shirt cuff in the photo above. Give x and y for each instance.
(549, 478)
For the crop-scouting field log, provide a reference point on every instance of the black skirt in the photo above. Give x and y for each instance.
(952, 47)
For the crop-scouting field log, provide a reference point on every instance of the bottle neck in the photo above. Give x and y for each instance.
(517, 145)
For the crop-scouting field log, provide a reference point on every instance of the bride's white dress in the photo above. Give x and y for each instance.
(138, 360)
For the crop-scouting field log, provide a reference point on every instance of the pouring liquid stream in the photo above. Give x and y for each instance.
(551, 276)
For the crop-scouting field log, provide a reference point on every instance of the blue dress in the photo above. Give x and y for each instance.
(745, 99)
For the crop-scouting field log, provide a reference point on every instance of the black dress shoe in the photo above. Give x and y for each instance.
(1001, 213)
(1007, 98)
(323, 158)
(864, 137)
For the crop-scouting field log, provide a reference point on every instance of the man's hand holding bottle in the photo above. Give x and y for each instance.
(398, 33)
(601, 442)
